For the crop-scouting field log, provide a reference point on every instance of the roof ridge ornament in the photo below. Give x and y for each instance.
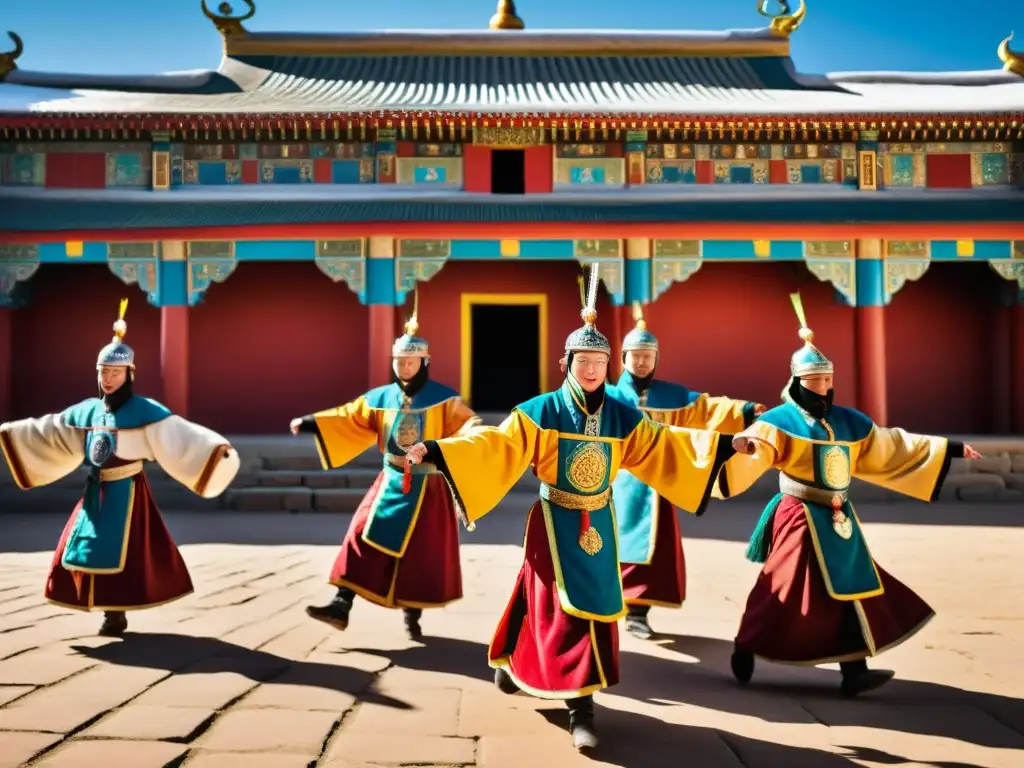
(505, 16)
(783, 23)
(1012, 61)
(8, 58)
(228, 25)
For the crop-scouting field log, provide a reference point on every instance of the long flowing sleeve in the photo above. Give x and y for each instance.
(459, 418)
(41, 451)
(721, 414)
(344, 432)
(482, 466)
(681, 464)
(914, 465)
(743, 470)
(193, 455)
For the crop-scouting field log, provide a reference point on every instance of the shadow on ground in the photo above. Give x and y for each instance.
(187, 655)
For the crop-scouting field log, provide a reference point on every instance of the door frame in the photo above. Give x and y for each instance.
(470, 300)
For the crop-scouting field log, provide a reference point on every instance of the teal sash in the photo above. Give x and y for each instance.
(393, 516)
(589, 586)
(99, 535)
(636, 508)
(846, 564)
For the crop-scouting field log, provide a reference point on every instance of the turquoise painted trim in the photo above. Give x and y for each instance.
(943, 250)
(386, 147)
(161, 146)
(636, 146)
(786, 250)
(380, 283)
(637, 278)
(547, 249)
(172, 290)
(466, 250)
(56, 253)
(870, 283)
(275, 250)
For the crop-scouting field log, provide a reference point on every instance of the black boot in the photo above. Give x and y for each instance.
(114, 624)
(503, 680)
(581, 722)
(335, 612)
(857, 678)
(742, 664)
(412, 623)
(636, 622)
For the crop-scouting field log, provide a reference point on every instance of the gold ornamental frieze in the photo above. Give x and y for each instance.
(508, 136)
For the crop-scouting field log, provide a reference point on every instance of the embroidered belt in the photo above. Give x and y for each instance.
(590, 540)
(120, 473)
(398, 462)
(835, 499)
(575, 500)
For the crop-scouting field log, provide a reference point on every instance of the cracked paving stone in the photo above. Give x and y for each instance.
(269, 730)
(146, 723)
(111, 753)
(18, 748)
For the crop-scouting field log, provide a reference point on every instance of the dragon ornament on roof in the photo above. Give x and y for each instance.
(227, 24)
(783, 23)
(8, 58)
(1012, 61)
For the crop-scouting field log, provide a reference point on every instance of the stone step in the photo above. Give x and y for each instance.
(294, 499)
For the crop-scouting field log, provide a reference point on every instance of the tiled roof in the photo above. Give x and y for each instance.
(25, 209)
(586, 73)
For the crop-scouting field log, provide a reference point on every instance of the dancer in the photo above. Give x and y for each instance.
(402, 546)
(558, 637)
(115, 553)
(821, 597)
(650, 543)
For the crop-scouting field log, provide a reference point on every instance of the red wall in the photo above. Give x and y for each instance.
(276, 340)
(440, 307)
(57, 337)
(941, 350)
(730, 329)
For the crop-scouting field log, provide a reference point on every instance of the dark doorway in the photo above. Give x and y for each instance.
(505, 367)
(508, 172)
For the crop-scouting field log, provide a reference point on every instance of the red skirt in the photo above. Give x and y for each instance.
(154, 571)
(663, 580)
(428, 575)
(549, 653)
(791, 618)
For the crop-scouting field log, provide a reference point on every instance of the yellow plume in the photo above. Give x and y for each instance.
(806, 334)
(123, 309)
(583, 290)
(412, 325)
(638, 315)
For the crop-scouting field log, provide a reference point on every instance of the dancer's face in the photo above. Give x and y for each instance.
(641, 362)
(819, 383)
(111, 377)
(407, 367)
(590, 369)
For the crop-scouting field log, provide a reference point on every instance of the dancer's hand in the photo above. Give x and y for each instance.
(970, 453)
(760, 408)
(295, 426)
(417, 453)
(744, 445)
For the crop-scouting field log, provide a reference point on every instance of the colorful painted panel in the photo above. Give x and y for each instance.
(736, 172)
(424, 170)
(670, 151)
(129, 169)
(23, 169)
(177, 165)
(437, 150)
(286, 171)
(582, 150)
(671, 172)
(341, 150)
(572, 172)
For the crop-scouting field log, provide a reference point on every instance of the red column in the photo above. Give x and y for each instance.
(174, 357)
(382, 336)
(1001, 404)
(1017, 367)
(6, 365)
(869, 334)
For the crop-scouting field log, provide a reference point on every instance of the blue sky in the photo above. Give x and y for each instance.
(148, 36)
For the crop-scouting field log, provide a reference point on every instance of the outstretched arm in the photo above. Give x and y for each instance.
(195, 456)
(914, 465)
(341, 433)
(41, 451)
(481, 467)
(722, 414)
(681, 464)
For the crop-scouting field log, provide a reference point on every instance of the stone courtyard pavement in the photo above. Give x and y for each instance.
(236, 675)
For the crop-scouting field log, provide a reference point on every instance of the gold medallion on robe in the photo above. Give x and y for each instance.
(587, 467)
(407, 430)
(590, 541)
(835, 468)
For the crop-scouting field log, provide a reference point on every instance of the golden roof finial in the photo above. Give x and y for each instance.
(8, 58)
(784, 23)
(505, 17)
(228, 25)
(1012, 61)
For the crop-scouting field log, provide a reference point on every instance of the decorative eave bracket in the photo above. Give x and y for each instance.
(416, 261)
(344, 261)
(18, 263)
(611, 269)
(207, 262)
(137, 264)
(673, 261)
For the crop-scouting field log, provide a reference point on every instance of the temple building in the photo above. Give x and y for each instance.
(273, 218)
